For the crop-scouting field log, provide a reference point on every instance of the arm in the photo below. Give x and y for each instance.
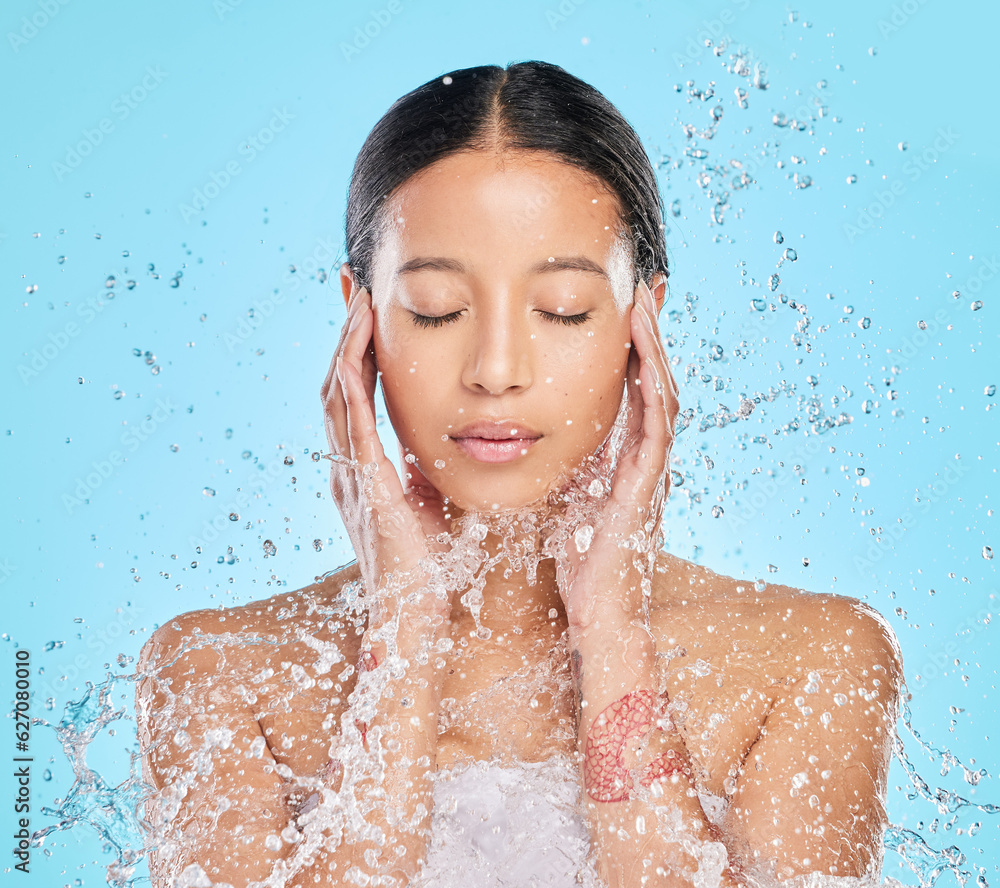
(635, 761)
(810, 794)
(223, 804)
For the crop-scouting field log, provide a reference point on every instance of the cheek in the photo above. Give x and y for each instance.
(588, 382)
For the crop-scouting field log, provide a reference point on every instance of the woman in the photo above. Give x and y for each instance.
(511, 611)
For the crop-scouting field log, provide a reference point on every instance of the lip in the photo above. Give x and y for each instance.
(496, 441)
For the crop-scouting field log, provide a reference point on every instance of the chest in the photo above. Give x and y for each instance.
(720, 696)
(506, 704)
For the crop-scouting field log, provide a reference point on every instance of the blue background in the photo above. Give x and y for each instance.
(204, 376)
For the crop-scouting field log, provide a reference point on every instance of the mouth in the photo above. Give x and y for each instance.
(492, 441)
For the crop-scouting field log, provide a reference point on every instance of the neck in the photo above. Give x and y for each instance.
(511, 605)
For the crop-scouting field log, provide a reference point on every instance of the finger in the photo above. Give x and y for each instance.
(659, 354)
(331, 379)
(661, 345)
(353, 341)
(653, 449)
(384, 491)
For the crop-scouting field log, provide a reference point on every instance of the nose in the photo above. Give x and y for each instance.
(499, 358)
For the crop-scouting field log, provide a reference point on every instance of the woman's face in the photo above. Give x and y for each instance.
(501, 299)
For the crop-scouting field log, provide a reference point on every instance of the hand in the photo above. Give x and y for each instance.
(615, 523)
(391, 529)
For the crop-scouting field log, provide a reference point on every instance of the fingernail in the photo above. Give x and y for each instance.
(650, 303)
(340, 371)
(356, 319)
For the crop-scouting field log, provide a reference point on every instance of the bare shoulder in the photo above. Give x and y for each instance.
(805, 630)
(228, 640)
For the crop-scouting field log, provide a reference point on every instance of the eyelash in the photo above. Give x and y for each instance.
(441, 320)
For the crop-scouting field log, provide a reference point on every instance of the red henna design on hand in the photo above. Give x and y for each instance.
(664, 765)
(605, 773)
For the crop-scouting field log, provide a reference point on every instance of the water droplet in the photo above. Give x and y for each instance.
(839, 699)
(759, 304)
(865, 323)
(978, 304)
(234, 516)
(717, 511)
(410, 458)
(110, 282)
(990, 391)
(851, 179)
(439, 464)
(52, 645)
(269, 548)
(790, 254)
(902, 146)
(208, 491)
(987, 553)
(773, 281)
(583, 537)
(779, 238)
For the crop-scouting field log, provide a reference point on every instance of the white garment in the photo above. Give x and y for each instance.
(515, 825)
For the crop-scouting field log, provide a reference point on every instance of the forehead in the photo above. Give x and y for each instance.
(491, 205)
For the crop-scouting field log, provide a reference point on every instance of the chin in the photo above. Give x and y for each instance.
(497, 489)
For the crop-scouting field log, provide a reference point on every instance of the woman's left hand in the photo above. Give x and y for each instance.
(600, 567)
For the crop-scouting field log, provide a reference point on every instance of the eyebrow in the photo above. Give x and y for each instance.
(554, 263)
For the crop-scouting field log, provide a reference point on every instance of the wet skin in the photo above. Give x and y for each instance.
(736, 661)
(759, 646)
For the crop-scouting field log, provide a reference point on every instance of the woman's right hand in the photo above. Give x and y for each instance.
(391, 528)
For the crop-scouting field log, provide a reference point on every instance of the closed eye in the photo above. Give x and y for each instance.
(567, 319)
(432, 321)
(441, 320)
